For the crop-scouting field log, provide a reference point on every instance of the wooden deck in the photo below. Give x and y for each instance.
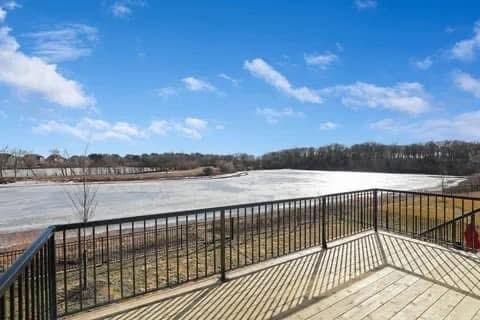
(369, 276)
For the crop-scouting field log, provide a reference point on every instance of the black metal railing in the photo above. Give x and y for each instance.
(101, 262)
(444, 219)
(27, 289)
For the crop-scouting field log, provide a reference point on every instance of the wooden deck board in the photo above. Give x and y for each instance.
(370, 276)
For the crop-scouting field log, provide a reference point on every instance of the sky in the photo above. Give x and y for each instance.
(142, 76)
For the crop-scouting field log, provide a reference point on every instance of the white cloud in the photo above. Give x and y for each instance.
(8, 5)
(273, 116)
(234, 81)
(328, 126)
(195, 84)
(34, 75)
(260, 69)
(67, 42)
(3, 114)
(465, 50)
(323, 61)
(192, 128)
(88, 129)
(166, 92)
(160, 127)
(423, 64)
(124, 8)
(463, 126)
(365, 4)
(407, 97)
(467, 83)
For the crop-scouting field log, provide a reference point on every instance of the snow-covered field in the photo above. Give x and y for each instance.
(29, 206)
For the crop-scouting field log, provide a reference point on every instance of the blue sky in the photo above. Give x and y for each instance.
(131, 76)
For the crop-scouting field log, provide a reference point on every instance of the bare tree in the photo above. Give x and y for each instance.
(84, 202)
(17, 155)
(4, 157)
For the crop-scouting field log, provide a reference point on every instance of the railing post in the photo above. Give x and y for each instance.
(324, 233)
(52, 276)
(222, 246)
(375, 210)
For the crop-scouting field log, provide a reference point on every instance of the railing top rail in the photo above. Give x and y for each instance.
(431, 194)
(93, 223)
(19, 265)
(463, 216)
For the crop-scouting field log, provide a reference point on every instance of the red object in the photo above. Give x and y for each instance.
(471, 237)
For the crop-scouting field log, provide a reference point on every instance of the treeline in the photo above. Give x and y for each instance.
(448, 158)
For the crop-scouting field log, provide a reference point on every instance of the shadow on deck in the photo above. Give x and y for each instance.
(371, 275)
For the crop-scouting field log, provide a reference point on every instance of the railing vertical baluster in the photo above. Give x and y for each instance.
(289, 228)
(37, 285)
(259, 216)
(11, 298)
(94, 267)
(278, 229)
(177, 249)
(222, 246)
(27, 293)
(245, 240)
(205, 241)
(265, 233)
(121, 259)
(252, 229)
(186, 247)
(230, 236)
(375, 210)
(133, 257)
(238, 237)
(156, 254)
(324, 235)
(20, 296)
(108, 262)
(167, 243)
(145, 255)
(196, 245)
(52, 277)
(214, 235)
(2, 307)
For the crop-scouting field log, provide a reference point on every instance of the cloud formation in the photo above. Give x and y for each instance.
(423, 64)
(66, 42)
(463, 126)
(88, 129)
(262, 70)
(467, 83)
(409, 97)
(365, 4)
(124, 8)
(323, 61)
(195, 84)
(328, 125)
(273, 116)
(465, 50)
(234, 81)
(33, 75)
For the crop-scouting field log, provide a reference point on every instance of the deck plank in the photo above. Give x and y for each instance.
(349, 280)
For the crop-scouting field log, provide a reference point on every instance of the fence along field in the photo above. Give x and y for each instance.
(127, 257)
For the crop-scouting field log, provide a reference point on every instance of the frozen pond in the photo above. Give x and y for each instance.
(31, 206)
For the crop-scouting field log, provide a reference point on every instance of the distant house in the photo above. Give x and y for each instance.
(54, 160)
